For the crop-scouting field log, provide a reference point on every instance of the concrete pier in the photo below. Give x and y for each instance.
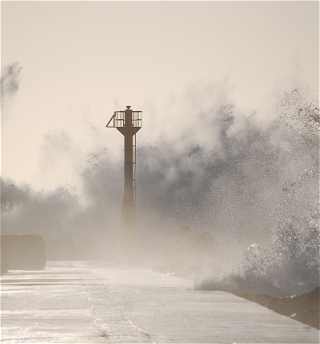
(90, 302)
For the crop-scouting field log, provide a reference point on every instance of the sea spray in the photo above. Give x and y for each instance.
(288, 263)
(243, 178)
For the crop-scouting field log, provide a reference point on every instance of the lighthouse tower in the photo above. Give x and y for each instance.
(128, 123)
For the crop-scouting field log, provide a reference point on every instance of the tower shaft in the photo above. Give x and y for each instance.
(128, 203)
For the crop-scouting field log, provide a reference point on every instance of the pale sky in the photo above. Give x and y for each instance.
(83, 60)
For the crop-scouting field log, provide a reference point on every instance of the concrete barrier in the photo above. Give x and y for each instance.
(22, 252)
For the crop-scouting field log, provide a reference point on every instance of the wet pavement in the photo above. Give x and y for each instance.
(92, 302)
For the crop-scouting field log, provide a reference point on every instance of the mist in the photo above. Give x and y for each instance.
(243, 177)
(10, 82)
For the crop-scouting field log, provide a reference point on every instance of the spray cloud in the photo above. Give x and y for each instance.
(213, 167)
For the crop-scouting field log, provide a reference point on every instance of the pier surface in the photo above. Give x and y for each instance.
(91, 302)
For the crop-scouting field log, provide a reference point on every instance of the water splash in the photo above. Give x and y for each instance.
(289, 262)
(242, 179)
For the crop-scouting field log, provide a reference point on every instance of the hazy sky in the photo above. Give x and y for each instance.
(83, 60)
